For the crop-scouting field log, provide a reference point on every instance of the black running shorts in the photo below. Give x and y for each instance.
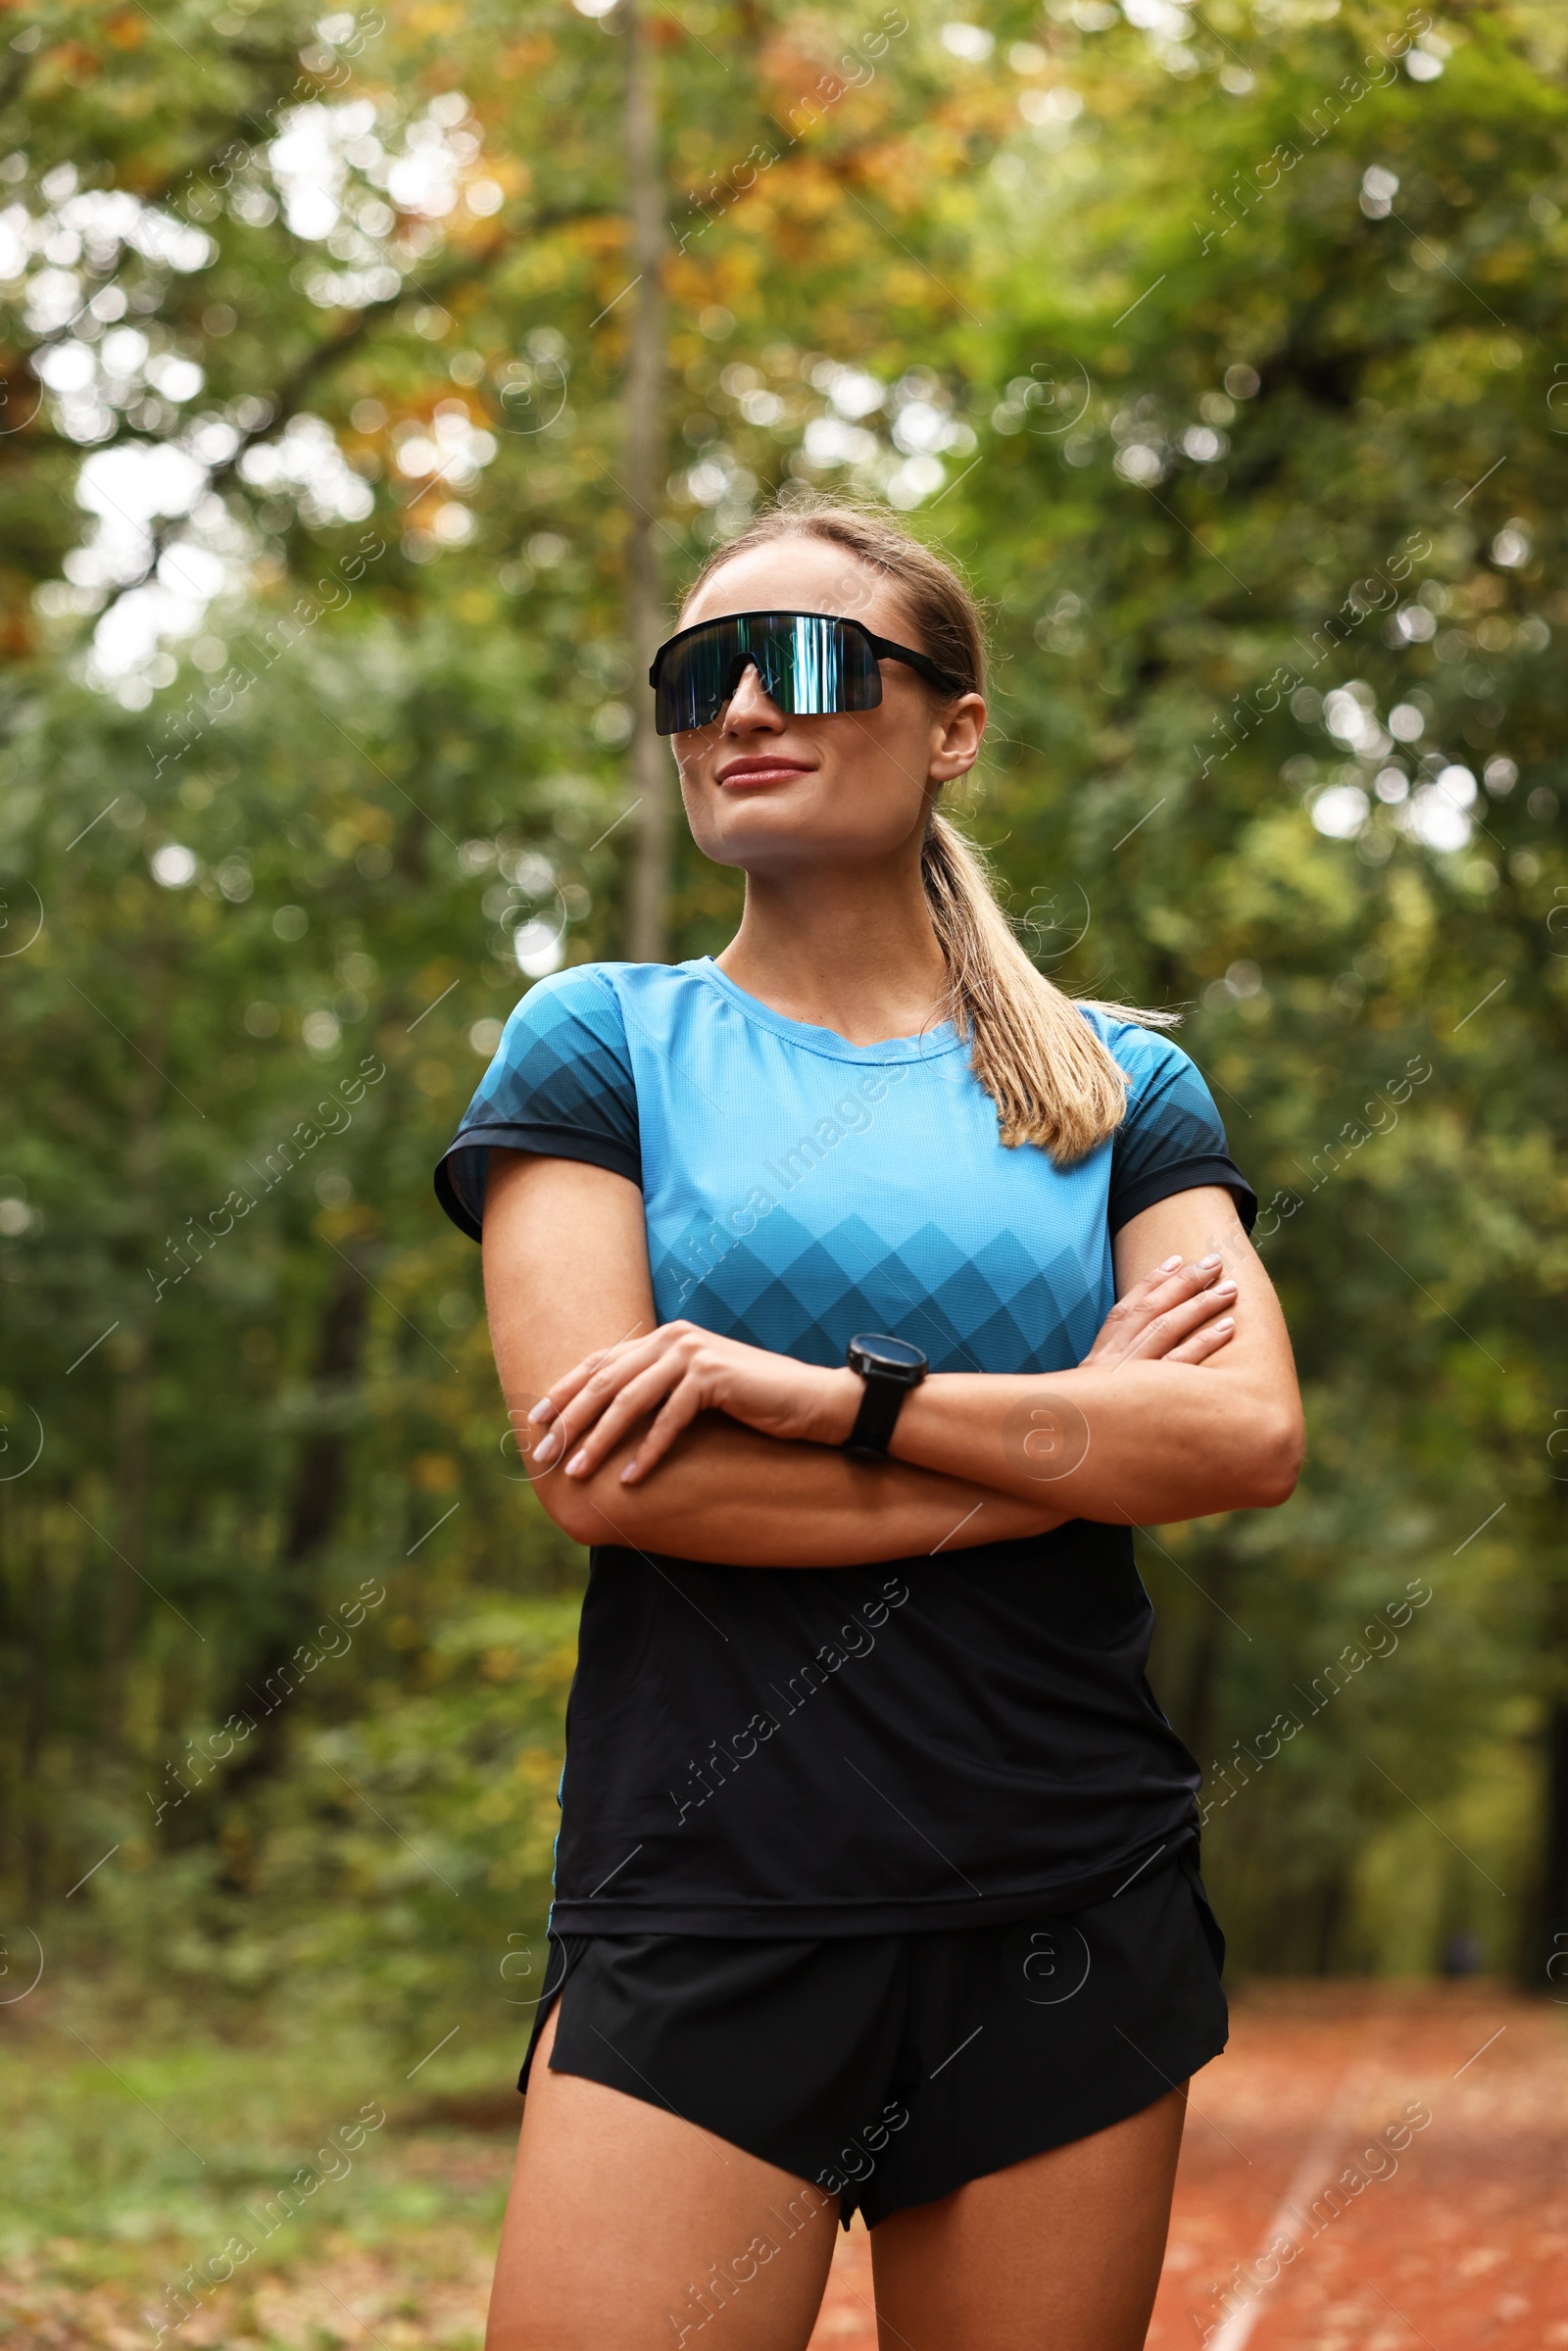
(889, 2069)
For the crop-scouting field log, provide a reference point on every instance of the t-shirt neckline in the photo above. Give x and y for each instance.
(942, 1038)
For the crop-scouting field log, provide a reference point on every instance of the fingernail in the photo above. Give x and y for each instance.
(576, 1465)
(1169, 1265)
(1210, 1260)
(629, 1473)
(1225, 1323)
(543, 1410)
(545, 1451)
(1223, 1290)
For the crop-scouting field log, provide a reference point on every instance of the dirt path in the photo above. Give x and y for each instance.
(1388, 2231)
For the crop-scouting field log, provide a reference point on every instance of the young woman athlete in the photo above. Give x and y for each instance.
(854, 1293)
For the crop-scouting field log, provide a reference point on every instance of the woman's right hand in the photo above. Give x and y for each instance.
(1177, 1314)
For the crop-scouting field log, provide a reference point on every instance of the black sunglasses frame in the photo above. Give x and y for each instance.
(883, 648)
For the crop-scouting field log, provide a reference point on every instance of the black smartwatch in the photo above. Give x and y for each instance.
(890, 1368)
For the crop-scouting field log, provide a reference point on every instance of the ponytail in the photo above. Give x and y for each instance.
(1054, 1081)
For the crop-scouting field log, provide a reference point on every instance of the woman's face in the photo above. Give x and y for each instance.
(770, 793)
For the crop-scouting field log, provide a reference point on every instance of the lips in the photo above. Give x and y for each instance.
(753, 773)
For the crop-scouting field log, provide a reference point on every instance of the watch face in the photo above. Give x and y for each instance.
(894, 1356)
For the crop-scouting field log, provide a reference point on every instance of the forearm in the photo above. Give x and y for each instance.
(726, 1494)
(723, 1492)
(675, 1439)
(1140, 1444)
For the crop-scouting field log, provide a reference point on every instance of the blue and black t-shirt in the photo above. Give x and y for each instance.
(928, 1742)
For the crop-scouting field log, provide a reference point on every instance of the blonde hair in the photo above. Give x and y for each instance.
(1053, 1079)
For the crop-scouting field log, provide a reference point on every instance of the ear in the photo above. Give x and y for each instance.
(956, 734)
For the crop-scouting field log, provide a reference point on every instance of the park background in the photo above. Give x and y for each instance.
(371, 385)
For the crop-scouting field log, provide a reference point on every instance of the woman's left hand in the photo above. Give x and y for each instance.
(680, 1371)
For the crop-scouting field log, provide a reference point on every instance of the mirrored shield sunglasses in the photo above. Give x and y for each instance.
(811, 664)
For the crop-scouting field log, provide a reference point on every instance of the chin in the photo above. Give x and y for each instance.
(767, 810)
(754, 836)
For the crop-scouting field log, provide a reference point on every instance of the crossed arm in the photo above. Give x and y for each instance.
(672, 1439)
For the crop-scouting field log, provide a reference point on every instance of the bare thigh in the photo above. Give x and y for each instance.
(627, 2227)
(1060, 2253)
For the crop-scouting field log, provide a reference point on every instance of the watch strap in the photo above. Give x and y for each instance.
(874, 1423)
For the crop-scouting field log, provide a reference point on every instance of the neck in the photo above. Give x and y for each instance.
(848, 949)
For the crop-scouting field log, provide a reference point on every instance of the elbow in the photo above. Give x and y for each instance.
(601, 1510)
(570, 1503)
(1275, 1463)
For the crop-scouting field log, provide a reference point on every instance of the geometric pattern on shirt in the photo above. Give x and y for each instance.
(808, 1295)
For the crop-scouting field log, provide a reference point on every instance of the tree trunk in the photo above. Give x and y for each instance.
(34, 1807)
(647, 910)
(123, 1616)
(1330, 1919)
(319, 1477)
(1193, 1713)
(320, 1481)
(1542, 1952)
(1546, 1962)
(131, 1352)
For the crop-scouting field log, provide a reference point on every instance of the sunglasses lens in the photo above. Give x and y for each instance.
(694, 675)
(811, 664)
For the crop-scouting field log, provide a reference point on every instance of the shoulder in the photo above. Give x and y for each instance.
(600, 1012)
(1152, 1061)
(567, 1033)
(607, 993)
(582, 991)
(560, 1085)
(562, 1062)
(571, 1013)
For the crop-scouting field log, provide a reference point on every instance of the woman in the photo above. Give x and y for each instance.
(876, 1879)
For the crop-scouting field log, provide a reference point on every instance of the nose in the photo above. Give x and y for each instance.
(749, 705)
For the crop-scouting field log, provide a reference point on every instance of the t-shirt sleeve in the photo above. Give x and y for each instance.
(1172, 1138)
(561, 1084)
